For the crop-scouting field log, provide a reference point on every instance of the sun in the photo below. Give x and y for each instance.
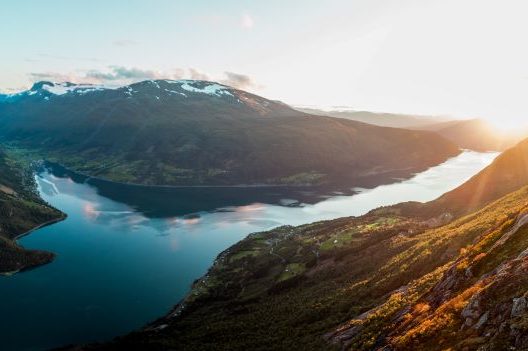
(508, 125)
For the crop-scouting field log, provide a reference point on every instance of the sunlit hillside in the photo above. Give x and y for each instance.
(264, 175)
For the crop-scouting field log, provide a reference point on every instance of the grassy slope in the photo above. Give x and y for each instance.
(294, 285)
(507, 173)
(20, 211)
(386, 278)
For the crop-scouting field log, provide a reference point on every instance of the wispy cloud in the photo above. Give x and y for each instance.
(239, 81)
(53, 77)
(115, 75)
(120, 75)
(195, 74)
(247, 21)
(11, 90)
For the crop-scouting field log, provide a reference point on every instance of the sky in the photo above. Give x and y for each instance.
(458, 58)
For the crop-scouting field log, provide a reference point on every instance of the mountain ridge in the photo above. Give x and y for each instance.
(186, 132)
(382, 119)
(477, 134)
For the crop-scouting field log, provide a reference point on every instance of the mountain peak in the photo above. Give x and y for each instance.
(64, 87)
(185, 86)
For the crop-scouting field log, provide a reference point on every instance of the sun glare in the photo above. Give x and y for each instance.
(508, 125)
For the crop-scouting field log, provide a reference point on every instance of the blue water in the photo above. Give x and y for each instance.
(126, 254)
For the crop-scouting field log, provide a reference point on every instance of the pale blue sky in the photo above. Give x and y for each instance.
(451, 57)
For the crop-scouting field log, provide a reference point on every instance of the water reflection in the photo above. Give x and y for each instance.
(259, 207)
(127, 254)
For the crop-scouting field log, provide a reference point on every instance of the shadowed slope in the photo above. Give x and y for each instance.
(203, 133)
(20, 211)
(507, 173)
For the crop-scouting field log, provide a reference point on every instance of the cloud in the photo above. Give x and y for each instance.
(246, 21)
(11, 90)
(120, 75)
(239, 81)
(53, 77)
(195, 74)
(116, 75)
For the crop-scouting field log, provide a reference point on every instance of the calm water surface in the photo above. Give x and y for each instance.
(127, 254)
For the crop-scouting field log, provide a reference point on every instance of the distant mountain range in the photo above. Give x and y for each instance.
(203, 133)
(477, 134)
(473, 134)
(381, 119)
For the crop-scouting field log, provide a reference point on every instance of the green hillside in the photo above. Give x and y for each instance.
(507, 173)
(388, 280)
(203, 133)
(20, 211)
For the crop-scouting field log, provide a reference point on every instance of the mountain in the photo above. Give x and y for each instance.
(377, 118)
(21, 210)
(507, 173)
(476, 134)
(473, 134)
(388, 280)
(203, 133)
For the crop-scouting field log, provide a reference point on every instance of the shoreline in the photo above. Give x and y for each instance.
(174, 309)
(365, 180)
(15, 242)
(42, 225)
(106, 180)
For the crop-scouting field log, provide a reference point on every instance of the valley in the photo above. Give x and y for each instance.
(136, 239)
(164, 132)
(263, 176)
(191, 168)
(404, 277)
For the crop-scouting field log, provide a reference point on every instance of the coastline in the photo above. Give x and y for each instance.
(366, 180)
(42, 225)
(170, 311)
(23, 251)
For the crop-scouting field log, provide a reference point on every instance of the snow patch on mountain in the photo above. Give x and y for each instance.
(211, 89)
(174, 92)
(202, 87)
(180, 87)
(64, 88)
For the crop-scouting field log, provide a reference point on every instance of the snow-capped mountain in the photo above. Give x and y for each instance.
(170, 91)
(162, 87)
(191, 132)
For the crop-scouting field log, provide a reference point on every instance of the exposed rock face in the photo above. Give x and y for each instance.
(472, 311)
(482, 320)
(479, 303)
(518, 306)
